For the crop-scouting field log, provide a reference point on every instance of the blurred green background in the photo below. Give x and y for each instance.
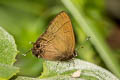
(26, 20)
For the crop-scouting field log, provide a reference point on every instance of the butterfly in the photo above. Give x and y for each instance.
(57, 42)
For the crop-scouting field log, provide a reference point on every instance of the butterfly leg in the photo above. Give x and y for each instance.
(57, 66)
(75, 53)
(73, 62)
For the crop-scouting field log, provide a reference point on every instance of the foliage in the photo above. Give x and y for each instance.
(26, 20)
(8, 52)
(54, 70)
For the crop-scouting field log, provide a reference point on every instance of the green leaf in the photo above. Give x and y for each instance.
(8, 50)
(88, 70)
(26, 78)
(51, 78)
(7, 71)
(97, 39)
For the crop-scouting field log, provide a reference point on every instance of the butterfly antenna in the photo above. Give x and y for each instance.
(27, 52)
(81, 46)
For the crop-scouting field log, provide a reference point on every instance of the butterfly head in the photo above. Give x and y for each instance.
(37, 50)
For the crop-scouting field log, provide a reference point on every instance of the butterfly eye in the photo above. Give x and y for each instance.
(37, 46)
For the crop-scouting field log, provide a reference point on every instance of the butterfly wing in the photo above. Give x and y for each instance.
(60, 39)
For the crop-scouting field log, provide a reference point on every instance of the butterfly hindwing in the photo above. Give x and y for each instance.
(58, 39)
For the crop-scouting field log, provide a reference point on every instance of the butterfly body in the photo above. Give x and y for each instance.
(57, 42)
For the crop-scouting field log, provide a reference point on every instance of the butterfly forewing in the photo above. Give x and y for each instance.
(58, 40)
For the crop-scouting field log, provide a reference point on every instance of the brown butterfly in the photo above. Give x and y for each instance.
(57, 42)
